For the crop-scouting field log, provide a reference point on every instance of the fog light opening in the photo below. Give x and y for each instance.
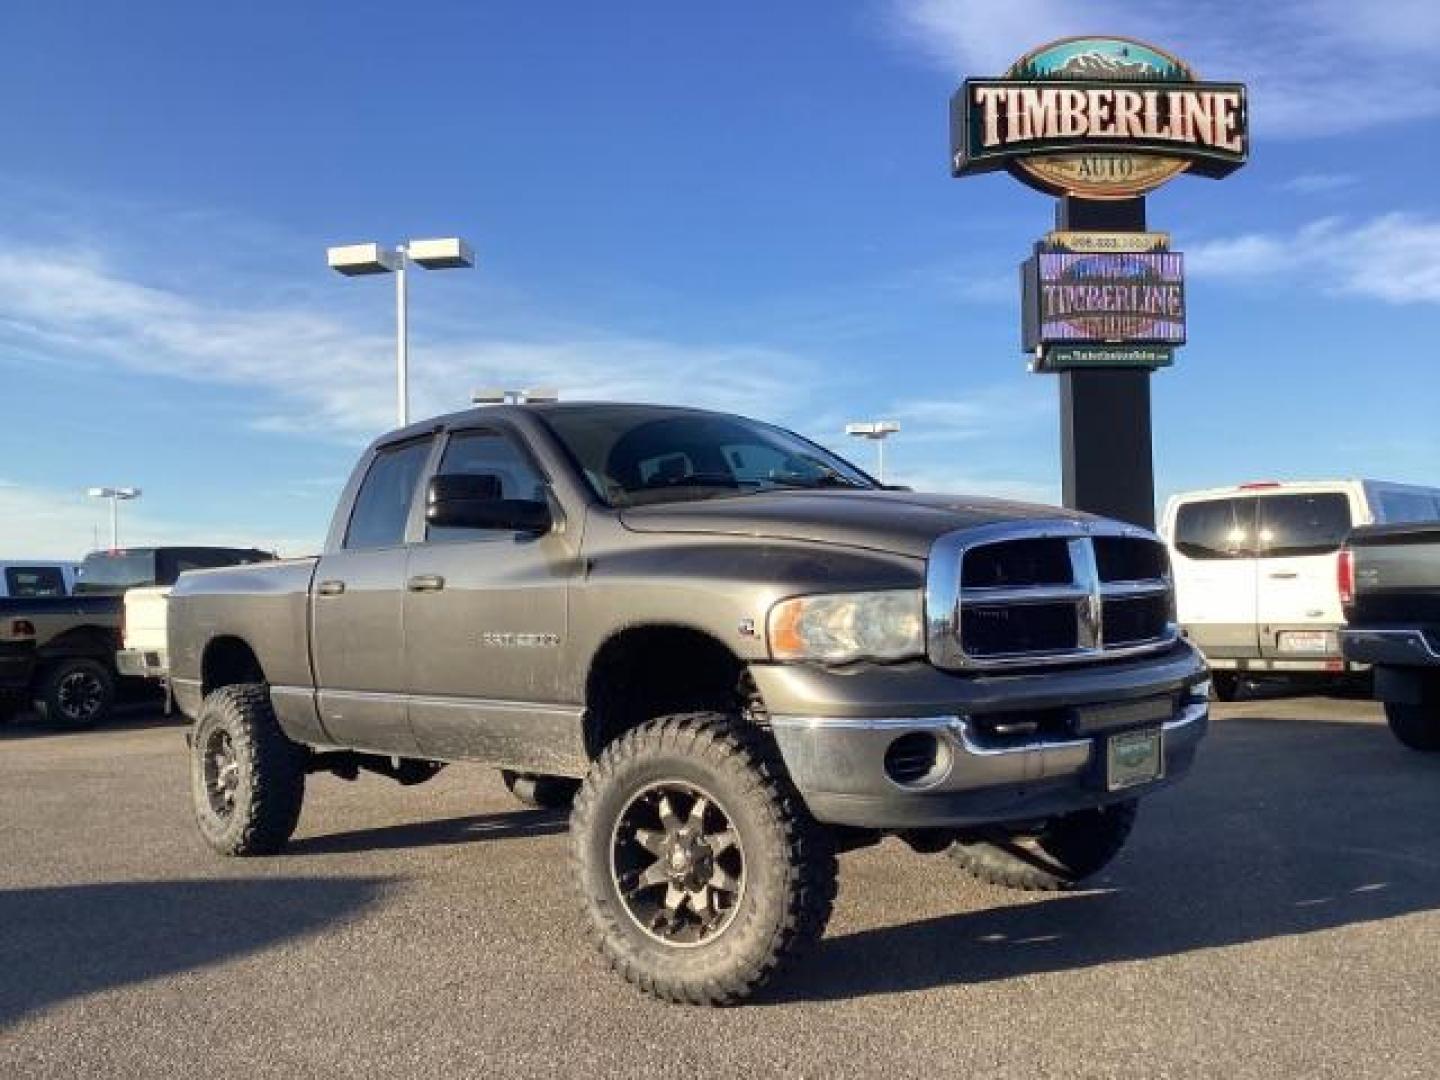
(916, 759)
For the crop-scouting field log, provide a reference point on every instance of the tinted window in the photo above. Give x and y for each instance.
(1216, 529)
(112, 572)
(1304, 524)
(172, 562)
(634, 454)
(1397, 507)
(488, 452)
(383, 504)
(31, 581)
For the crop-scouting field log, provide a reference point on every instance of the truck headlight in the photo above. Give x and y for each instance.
(840, 627)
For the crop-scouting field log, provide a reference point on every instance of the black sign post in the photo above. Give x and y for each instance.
(1105, 432)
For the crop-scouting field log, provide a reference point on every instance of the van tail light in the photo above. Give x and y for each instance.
(1345, 577)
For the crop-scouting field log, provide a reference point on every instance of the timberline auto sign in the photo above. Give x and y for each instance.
(1099, 118)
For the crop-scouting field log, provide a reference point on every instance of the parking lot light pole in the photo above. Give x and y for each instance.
(877, 431)
(358, 260)
(116, 495)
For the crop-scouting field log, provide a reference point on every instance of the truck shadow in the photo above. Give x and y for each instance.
(139, 716)
(63, 942)
(469, 829)
(1286, 828)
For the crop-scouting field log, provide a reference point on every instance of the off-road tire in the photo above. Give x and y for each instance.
(789, 860)
(268, 776)
(1226, 685)
(75, 692)
(1059, 855)
(1417, 726)
(541, 792)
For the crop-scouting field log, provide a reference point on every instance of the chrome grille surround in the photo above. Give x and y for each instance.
(946, 600)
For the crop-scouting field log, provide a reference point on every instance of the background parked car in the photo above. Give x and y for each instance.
(1257, 569)
(73, 681)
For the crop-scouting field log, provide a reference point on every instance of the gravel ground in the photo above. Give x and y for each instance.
(1274, 915)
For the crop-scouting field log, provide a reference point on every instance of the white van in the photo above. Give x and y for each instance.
(1259, 574)
(27, 579)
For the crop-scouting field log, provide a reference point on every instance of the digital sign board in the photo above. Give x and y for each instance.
(1130, 298)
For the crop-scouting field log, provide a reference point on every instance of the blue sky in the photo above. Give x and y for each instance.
(745, 206)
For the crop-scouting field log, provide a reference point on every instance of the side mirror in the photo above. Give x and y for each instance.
(473, 501)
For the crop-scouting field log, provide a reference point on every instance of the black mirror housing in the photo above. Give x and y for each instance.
(474, 501)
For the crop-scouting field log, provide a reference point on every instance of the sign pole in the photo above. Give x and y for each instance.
(1105, 432)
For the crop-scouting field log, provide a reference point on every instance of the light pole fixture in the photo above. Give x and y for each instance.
(358, 260)
(116, 495)
(876, 431)
(497, 396)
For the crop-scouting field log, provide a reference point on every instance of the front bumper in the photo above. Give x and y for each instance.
(142, 663)
(837, 757)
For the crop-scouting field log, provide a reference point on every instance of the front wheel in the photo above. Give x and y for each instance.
(699, 867)
(76, 692)
(1059, 854)
(247, 780)
(1417, 726)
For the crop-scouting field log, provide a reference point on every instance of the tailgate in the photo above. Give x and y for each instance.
(1397, 574)
(145, 618)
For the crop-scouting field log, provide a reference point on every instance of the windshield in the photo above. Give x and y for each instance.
(634, 455)
(115, 571)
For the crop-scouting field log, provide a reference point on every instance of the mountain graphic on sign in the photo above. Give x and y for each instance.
(1095, 65)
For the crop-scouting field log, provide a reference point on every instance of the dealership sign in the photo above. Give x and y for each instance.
(1098, 118)
(1103, 299)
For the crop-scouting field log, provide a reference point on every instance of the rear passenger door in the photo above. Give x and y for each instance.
(1299, 595)
(1215, 575)
(357, 608)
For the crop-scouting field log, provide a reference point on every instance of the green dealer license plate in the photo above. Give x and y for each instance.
(1133, 758)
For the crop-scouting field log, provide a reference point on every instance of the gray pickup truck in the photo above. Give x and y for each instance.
(1393, 623)
(752, 654)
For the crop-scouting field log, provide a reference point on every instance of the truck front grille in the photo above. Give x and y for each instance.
(1047, 592)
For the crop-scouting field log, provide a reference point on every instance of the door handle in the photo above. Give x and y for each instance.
(1284, 575)
(330, 588)
(426, 583)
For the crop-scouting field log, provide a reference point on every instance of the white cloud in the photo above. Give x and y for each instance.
(991, 412)
(323, 376)
(1320, 183)
(1314, 67)
(50, 523)
(1393, 258)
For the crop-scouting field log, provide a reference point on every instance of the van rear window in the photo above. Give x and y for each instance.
(1315, 524)
(1216, 529)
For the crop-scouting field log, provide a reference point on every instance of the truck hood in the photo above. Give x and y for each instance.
(904, 522)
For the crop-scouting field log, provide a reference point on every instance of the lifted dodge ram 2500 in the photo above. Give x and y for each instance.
(735, 651)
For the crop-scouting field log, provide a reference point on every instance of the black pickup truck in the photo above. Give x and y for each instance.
(1393, 613)
(64, 661)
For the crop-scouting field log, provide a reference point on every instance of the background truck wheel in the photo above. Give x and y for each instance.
(699, 866)
(1417, 726)
(1225, 685)
(75, 692)
(544, 792)
(1058, 855)
(247, 780)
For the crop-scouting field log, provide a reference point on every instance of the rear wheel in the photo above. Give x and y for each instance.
(542, 792)
(700, 869)
(1417, 726)
(76, 692)
(1059, 854)
(247, 780)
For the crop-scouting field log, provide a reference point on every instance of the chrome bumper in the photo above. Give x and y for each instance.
(838, 763)
(142, 663)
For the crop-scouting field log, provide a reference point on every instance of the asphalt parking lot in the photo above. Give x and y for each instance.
(1277, 914)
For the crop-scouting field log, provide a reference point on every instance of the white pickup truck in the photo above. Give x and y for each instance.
(142, 633)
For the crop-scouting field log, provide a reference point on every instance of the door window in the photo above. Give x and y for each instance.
(1216, 529)
(383, 505)
(1304, 524)
(33, 581)
(488, 452)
